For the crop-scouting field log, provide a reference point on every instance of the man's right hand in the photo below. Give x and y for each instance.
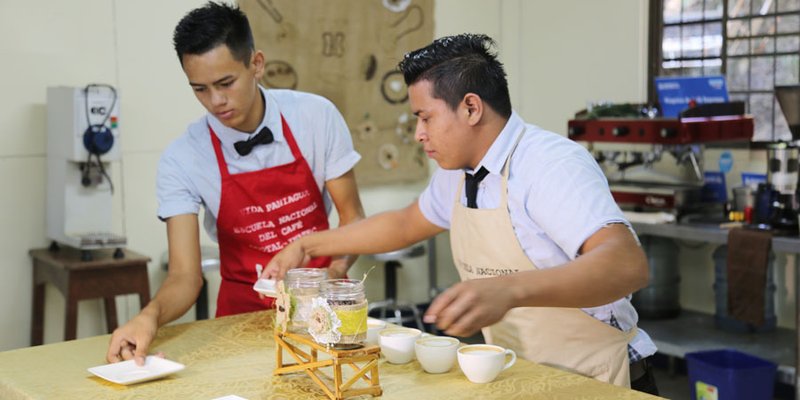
(132, 340)
(176, 295)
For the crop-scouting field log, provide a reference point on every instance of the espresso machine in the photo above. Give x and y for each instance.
(82, 143)
(653, 163)
(656, 164)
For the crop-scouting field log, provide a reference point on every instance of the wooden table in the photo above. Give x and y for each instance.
(236, 355)
(102, 277)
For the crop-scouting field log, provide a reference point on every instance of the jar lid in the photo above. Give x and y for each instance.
(305, 277)
(351, 289)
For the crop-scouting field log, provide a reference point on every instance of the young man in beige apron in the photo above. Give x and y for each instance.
(546, 258)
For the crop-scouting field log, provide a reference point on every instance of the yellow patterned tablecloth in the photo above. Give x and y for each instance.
(236, 356)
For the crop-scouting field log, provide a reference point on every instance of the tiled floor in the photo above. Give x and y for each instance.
(675, 387)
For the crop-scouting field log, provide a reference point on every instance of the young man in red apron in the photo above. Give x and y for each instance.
(546, 263)
(243, 163)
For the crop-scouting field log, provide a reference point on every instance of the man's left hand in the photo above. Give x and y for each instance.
(469, 306)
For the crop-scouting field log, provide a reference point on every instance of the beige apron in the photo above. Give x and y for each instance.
(484, 245)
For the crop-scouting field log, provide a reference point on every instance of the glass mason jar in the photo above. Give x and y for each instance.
(303, 285)
(347, 300)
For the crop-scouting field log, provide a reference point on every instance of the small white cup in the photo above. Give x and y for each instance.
(481, 363)
(373, 327)
(436, 354)
(397, 344)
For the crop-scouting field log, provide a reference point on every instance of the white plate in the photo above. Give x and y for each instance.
(266, 287)
(127, 372)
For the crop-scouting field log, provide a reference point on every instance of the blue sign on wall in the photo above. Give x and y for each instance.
(753, 179)
(725, 162)
(675, 93)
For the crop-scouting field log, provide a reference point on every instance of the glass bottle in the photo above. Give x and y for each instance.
(303, 285)
(347, 300)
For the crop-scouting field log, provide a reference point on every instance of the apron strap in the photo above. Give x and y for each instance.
(223, 167)
(287, 134)
(506, 167)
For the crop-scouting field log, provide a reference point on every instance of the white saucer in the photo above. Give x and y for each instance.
(267, 287)
(127, 372)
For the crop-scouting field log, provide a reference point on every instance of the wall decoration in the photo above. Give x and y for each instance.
(396, 5)
(347, 51)
(279, 75)
(388, 154)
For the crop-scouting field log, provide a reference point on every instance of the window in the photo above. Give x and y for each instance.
(755, 44)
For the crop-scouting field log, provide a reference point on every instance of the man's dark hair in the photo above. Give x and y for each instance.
(457, 65)
(207, 27)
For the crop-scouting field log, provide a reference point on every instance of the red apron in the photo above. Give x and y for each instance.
(260, 212)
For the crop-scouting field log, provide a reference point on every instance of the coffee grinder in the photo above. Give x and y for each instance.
(776, 204)
(778, 201)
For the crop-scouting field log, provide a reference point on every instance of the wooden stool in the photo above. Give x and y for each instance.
(391, 306)
(103, 276)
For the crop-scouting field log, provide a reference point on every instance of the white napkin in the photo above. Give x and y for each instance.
(654, 217)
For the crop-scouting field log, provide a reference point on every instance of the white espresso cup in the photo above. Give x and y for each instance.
(373, 327)
(481, 363)
(397, 344)
(436, 354)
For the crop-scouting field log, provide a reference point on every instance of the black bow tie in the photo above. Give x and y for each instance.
(244, 147)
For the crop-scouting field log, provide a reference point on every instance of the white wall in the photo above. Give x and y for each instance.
(44, 43)
(558, 56)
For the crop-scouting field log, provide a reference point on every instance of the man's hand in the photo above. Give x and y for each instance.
(132, 340)
(469, 306)
(292, 256)
(339, 266)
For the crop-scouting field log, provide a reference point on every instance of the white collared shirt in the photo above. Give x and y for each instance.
(188, 174)
(557, 198)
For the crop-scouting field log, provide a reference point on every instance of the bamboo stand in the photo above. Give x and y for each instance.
(308, 361)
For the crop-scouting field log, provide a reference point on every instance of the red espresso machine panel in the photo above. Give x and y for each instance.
(662, 130)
